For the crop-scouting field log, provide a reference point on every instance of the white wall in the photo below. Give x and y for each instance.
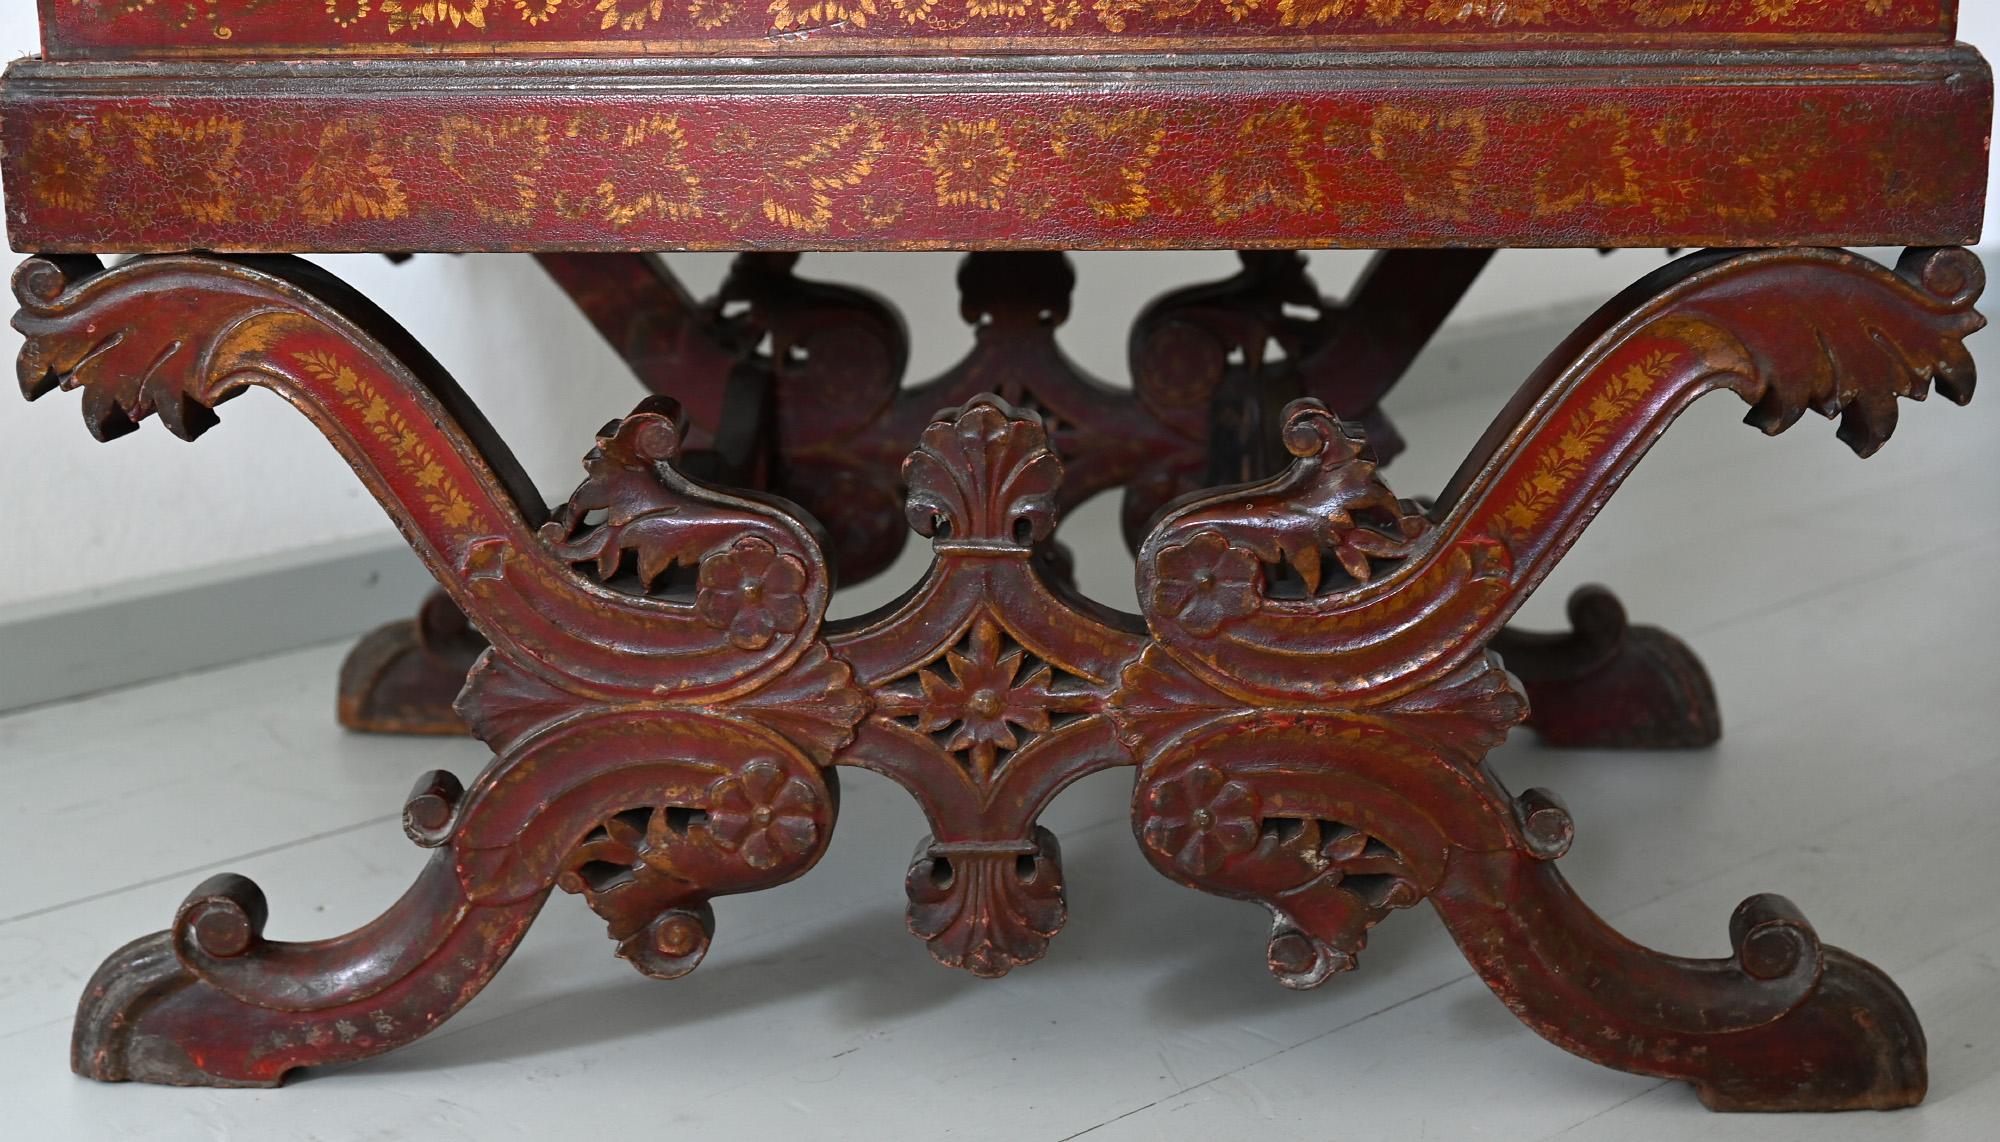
(86, 516)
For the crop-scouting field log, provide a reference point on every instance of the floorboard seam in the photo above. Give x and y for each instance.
(184, 873)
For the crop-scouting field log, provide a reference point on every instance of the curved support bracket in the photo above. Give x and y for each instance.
(1312, 714)
(1308, 695)
(1222, 579)
(177, 336)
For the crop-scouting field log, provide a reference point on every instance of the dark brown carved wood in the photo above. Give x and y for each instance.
(1607, 683)
(1307, 696)
(1211, 364)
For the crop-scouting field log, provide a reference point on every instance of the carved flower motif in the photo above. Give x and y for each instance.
(985, 699)
(972, 162)
(1207, 582)
(1201, 820)
(753, 592)
(763, 814)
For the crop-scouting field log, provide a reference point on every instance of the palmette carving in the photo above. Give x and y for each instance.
(989, 688)
(986, 907)
(1308, 697)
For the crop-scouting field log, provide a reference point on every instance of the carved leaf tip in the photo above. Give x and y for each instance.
(1854, 342)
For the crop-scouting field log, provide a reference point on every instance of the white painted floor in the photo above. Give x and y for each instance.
(1847, 610)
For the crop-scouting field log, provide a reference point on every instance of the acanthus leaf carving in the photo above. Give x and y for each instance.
(1159, 699)
(1845, 349)
(984, 475)
(1229, 556)
(636, 512)
(987, 908)
(815, 704)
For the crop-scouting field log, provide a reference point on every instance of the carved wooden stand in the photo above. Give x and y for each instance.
(800, 393)
(1307, 697)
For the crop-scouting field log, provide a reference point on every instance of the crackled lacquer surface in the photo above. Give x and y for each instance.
(145, 27)
(1707, 159)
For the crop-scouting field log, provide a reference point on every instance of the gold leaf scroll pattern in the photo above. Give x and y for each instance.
(1561, 463)
(800, 182)
(1491, 13)
(1269, 169)
(1672, 13)
(467, 147)
(413, 455)
(1432, 155)
(1113, 14)
(351, 175)
(537, 12)
(1110, 156)
(971, 163)
(649, 176)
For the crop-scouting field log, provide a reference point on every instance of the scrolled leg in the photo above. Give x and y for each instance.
(211, 1002)
(1610, 684)
(1782, 1023)
(1311, 717)
(654, 656)
(402, 677)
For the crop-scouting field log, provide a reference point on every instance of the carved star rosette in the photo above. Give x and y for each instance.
(988, 688)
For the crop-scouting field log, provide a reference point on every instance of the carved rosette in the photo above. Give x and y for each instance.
(985, 699)
(1308, 707)
(988, 688)
(649, 871)
(1289, 787)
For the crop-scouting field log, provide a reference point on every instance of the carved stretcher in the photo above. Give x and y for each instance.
(1309, 691)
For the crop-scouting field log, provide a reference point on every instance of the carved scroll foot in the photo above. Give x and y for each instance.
(211, 1002)
(402, 677)
(1607, 684)
(1783, 1023)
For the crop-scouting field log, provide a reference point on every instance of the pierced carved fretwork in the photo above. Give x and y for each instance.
(1308, 696)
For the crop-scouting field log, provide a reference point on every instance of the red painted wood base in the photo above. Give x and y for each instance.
(1306, 697)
